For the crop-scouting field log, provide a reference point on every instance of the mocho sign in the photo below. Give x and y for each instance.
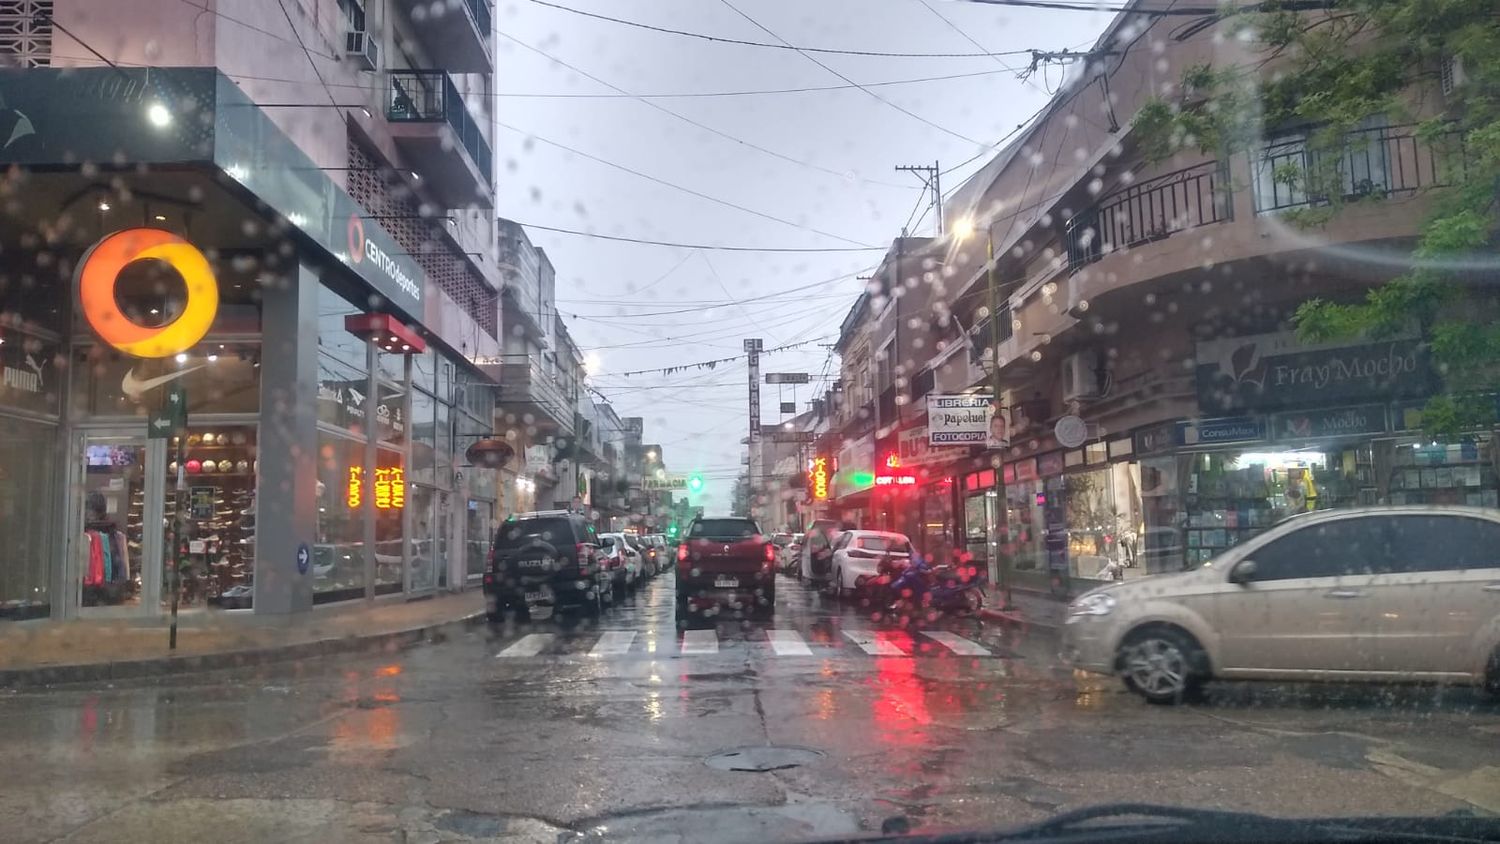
(1274, 371)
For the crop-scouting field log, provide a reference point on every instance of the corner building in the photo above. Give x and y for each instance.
(335, 174)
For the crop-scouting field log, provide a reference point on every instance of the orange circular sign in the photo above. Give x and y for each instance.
(100, 270)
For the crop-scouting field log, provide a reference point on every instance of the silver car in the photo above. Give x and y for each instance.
(1374, 593)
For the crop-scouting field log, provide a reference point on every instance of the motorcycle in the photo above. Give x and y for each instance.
(925, 592)
(875, 590)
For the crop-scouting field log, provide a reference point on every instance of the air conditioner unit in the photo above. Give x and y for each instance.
(1080, 376)
(362, 48)
(1452, 74)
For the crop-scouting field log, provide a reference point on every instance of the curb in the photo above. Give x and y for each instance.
(1019, 619)
(47, 675)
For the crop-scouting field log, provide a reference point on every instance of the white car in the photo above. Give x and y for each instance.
(624, 560)
(857, 553)
(1370, 593)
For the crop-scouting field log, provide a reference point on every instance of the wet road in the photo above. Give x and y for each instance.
(612, 731)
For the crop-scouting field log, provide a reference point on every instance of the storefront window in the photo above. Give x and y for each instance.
(480, 527)
(218, 378)
(1104, 520)
(28, 453)
(392, 497)
(1161, 543)
(219, 464)
(1025, 529)
(333, 338)
(338, 558)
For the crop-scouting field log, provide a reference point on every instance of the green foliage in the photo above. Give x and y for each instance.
(1332, 70)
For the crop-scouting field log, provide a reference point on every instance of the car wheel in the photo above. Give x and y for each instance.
(1161, 664)
(593, 604)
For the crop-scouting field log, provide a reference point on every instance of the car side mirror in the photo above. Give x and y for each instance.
(1243, 572)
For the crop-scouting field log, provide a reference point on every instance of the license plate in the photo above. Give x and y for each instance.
(726, 582)
(532, 597)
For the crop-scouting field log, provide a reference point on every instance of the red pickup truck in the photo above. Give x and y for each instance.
(726, 561)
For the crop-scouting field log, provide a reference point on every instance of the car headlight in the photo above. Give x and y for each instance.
(1099, 603)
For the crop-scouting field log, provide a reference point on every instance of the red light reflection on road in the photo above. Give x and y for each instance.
(900, 712)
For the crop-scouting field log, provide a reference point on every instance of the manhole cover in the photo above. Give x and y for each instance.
(761, 759)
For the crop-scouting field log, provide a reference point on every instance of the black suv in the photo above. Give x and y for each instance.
(547, 558)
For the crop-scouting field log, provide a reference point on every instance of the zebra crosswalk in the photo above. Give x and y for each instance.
(772, 642)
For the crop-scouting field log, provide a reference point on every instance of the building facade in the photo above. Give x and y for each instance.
(1155, 405)
(282, 229)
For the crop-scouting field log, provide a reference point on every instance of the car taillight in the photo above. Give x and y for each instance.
(770, 555)
(682, 553)
(489, 559)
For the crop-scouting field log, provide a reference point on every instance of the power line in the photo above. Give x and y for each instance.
(688, 120)
(819, 63)
(782, 46)
(710, 364)
(753, 93)
(680, 245)
(660, 181)
(776, 294)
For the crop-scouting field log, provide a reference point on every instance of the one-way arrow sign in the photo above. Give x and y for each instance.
(170, 418)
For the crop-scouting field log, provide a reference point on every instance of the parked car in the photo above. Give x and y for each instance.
(1374, 594)
(647, 549)
(544, 558)
(789, 558)
(817, 551)
(858, 553)
(664, 553)
(625, 562)
(726, 561)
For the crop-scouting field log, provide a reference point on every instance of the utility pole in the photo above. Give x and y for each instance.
(1001, 566)
(932, 180)
(753, 349)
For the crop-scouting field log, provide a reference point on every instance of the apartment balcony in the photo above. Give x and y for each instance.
(527, 389)
(1152, 210)
(1375, 162)
(456, 33)
(431, 124)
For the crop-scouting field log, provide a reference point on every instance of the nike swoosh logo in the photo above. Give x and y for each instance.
(136, 387)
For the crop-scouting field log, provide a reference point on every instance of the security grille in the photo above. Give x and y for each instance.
(25, 33)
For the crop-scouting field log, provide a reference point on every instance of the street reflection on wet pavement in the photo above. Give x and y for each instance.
(583, 734)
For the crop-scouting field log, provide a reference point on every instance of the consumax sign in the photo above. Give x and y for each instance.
(389, 488)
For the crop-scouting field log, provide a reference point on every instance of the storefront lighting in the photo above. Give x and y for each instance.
(159, 115)
(103, 205)
(160, 218)
(181, 357)
(213, 358)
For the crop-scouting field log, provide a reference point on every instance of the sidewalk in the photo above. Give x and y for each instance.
(114, 649)
(1032, 609)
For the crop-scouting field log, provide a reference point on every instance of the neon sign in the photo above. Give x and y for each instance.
(819, 477)
(892, 476)
(389, 488)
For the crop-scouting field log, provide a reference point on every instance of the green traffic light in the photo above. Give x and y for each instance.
(695, 482)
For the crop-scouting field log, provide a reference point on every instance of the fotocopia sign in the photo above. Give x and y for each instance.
(959, 420)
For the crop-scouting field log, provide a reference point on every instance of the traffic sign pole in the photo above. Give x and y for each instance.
(174, 415)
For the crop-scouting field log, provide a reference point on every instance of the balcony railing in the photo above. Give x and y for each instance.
(1152, 210)
(524, 379)
(429, 96)
(1372, 162)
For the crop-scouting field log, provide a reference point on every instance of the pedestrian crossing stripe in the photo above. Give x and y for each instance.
(783, 643)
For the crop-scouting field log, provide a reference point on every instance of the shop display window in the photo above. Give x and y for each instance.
(219, 464)
(28, 452)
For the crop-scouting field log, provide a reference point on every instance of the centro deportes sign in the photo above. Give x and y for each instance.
(363, 248)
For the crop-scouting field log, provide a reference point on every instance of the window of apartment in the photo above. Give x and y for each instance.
(355, 12)
(1288, 174)
(885, 366)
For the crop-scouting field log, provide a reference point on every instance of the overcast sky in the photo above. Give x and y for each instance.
(839, 188)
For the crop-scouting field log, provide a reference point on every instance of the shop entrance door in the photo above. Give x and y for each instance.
(116, 533)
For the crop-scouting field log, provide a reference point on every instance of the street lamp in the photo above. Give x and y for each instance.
(963, 229)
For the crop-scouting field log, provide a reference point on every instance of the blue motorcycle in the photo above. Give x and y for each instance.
(926, 592)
